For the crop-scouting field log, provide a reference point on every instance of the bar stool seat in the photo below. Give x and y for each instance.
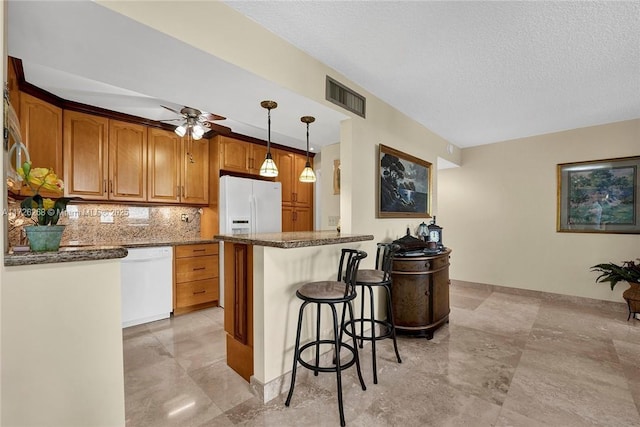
(328, 292)
(369, 279)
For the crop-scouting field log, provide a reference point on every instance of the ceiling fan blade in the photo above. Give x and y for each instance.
(210, 117)
(171, 109)
(173, 120)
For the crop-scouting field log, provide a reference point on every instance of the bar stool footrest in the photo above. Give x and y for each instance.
(343, 365)
(387, 333)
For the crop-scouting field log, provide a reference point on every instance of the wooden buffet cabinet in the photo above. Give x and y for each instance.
(420, 293)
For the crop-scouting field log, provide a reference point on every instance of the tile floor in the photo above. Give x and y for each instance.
(503, 360)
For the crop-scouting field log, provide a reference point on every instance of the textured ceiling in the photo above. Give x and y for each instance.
(476, 72)
(473, 72)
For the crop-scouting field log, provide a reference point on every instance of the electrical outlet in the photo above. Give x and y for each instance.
(184, 217)
(106, 217)
(334, 220)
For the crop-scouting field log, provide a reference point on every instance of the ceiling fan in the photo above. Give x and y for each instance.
(196, 122)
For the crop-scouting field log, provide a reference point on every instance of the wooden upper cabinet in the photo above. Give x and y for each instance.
(178, 169)
(163, 167)
(258, 153)
(127, 161)
(285, 162)
(290, 166)
(240, 156)
(41, 128)
(234, 154)
(86, 155)
(12, 85)
(104, 159)
(195, 172)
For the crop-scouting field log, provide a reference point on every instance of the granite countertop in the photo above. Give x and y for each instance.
(65, 254)
(160, 242)
(77, 251)
(294, 239)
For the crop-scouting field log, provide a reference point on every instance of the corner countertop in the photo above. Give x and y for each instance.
(79, 251)
(294, 239)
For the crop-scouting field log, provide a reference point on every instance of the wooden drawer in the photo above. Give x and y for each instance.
(204, 249)
(196, 292)
(196, 268)
(420, 264)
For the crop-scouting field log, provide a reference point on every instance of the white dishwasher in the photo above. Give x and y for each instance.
(147, 285)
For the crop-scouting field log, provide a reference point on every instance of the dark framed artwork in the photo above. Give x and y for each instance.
(404, 185)
(599, 196)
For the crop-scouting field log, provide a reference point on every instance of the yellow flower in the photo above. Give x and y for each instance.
(47, 211)
(48, 204)
(42, 178)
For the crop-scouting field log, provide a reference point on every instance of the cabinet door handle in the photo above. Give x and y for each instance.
(200, 292)
(110, 186)
(182, 192)
(104, 184)
(199, 268)
(295, 197)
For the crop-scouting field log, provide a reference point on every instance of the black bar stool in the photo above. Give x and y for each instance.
(370, 279)
(341, 291)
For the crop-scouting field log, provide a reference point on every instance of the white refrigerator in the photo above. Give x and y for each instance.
(247, 206)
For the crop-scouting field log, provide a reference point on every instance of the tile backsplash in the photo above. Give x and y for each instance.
(95, 224)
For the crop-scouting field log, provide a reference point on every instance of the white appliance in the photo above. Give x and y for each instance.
(147, 285)
(247, 206)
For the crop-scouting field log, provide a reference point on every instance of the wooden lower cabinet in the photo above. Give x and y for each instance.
(420, 293)
(195, 277)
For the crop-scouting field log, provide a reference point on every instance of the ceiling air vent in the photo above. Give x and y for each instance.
(346, 98)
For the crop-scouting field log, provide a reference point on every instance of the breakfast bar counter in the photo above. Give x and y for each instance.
(261, 273)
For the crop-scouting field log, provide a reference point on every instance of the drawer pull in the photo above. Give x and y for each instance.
(200, 292)
(427, 265)
(199, 268)
(199, 250)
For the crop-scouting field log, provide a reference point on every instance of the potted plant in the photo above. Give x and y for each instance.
(45, 234)
(629, 272)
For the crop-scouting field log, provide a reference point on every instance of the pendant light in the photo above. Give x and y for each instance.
(268, 167)
(307, 174)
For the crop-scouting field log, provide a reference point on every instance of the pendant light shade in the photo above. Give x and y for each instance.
(268, 168)
(307, 175)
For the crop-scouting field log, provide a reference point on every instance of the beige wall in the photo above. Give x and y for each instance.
(330, 203)
(62, 345)
(499, 213)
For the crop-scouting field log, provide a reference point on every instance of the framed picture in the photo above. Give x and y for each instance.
(599, 196)
(404, 185)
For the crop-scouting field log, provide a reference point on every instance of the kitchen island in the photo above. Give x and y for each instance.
(261, 275)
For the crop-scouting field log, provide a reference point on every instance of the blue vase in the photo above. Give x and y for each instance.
(44, 238)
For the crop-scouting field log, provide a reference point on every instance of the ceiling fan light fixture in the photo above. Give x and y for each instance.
(197, 131)
(268, 168)
(181, 131)
(307, 175)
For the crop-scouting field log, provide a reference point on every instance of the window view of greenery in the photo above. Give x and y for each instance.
(602, 196)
